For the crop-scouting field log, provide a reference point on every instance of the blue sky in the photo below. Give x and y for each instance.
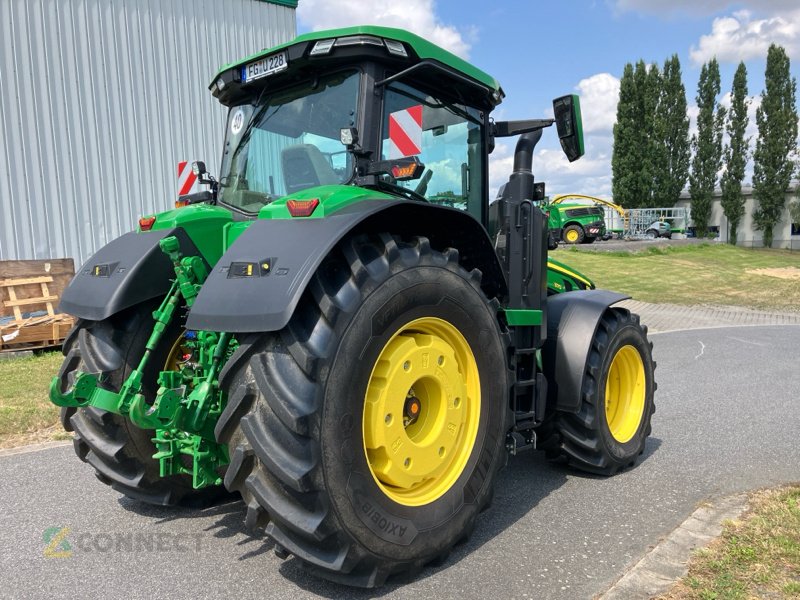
(541, 50)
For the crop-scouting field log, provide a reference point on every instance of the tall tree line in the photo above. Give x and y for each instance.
(776, 147)
(650, 159)
(706, 146)
(736, 154)
(653, 152)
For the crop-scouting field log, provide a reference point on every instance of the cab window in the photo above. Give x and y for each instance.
(445, 137)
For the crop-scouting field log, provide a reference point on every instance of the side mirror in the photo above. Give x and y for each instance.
(567, 112)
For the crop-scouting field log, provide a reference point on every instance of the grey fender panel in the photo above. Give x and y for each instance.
(294, 248)
(134, 269)
(572, 319)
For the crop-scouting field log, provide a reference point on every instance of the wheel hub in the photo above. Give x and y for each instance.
(421, 411)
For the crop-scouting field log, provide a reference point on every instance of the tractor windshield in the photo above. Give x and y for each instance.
(288, 141)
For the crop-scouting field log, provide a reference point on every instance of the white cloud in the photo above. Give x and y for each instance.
(599, 96)
(740, 36)
(446, 176)
(590, 175)
(418, 16)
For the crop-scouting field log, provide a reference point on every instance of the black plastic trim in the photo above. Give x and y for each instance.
(137, 270)
(572, 319)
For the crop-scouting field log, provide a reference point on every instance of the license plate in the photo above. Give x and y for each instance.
(270, 65)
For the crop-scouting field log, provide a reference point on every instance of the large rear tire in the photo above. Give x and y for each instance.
(609, 431)
(371, 428)
(120, 452)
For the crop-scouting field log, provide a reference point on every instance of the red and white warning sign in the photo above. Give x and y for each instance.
(405, 132)
(187, 180)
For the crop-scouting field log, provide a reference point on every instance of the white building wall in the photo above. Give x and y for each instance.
(100, 99)
(748, 235)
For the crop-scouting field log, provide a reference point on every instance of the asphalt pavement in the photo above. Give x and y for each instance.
(727, 420)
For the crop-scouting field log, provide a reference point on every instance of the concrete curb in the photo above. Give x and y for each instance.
(667, 562)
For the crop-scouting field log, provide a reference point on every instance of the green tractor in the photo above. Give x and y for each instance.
(317, 336)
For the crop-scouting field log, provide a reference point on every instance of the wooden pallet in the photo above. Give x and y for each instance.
(36, 287)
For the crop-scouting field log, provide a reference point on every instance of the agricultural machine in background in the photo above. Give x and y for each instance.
(316, 335)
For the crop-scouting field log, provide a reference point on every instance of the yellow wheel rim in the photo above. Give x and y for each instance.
(176, 353)
(421, 411)
(625, 392)
(572, 236)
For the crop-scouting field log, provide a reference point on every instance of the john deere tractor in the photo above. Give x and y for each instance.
(314, 333)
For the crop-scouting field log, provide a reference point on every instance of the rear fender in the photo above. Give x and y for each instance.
(239, 299)
(572, 319)
(126, 271)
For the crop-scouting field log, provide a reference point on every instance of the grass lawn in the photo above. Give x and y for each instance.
(757, 556)
(26, 415)
(716, 274)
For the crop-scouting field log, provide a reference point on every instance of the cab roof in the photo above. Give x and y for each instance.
(422, 48)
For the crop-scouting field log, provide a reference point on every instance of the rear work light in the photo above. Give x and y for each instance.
(323, 47)
(396, 48)
(302, 208)
(358, 40)
(146, 223)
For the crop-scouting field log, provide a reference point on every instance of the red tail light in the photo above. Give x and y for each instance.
(302, 208)
(146, 223)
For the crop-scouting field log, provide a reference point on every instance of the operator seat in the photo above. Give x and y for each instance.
(304, 166)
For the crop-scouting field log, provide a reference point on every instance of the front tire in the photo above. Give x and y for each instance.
(321, 425)
(573, 234)
(609, 431)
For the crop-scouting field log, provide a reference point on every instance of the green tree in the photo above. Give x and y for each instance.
(651, 143)
(671, 137)
(736, 153)
(777, 142)
(631, 159)
(707, 146)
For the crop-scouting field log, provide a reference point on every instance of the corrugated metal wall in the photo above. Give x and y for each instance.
(100, 99)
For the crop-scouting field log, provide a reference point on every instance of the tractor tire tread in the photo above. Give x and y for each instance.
(276, 449)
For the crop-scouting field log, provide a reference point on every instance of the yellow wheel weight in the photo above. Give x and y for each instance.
(421, 411)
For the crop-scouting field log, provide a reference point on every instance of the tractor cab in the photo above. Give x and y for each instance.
(305, 115)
